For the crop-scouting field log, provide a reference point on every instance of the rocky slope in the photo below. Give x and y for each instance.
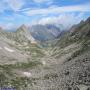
(23, 33)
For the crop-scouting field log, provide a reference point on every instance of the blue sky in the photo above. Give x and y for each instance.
(14, 13)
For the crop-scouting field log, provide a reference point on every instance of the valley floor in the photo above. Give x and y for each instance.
(55, 69)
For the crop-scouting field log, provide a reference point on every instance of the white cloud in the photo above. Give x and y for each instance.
(66, 19)
(15, 5)
(42, 1)
(58, 10)
(8, 26)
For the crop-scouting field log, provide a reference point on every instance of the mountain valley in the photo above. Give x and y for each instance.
(46, 58)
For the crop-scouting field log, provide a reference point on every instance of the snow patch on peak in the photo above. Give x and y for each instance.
(43, 62)
(8, 49)
(27, 74)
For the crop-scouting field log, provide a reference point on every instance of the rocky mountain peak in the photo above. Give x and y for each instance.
(22, 28)
(88, 20)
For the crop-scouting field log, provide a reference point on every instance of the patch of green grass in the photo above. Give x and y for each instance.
(52, 75)
(30, 64)
(20, 83)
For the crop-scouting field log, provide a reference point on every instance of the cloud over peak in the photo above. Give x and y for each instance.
(58, 10)
(65, 19)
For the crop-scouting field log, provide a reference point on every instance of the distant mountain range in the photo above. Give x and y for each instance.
(45, 32)
(37, 32)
